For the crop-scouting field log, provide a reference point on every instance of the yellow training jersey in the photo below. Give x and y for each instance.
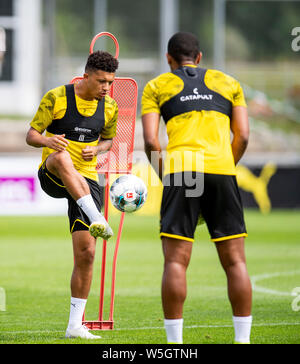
(51, 116)
(196, 105)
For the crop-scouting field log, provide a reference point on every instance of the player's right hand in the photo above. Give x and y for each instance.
(57, 142)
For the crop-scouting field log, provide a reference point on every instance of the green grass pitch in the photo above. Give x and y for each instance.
(36, 263)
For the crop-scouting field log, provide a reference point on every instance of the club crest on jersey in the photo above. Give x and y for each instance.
(196, 96)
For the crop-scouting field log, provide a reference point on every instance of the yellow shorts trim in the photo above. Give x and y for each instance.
(55, 181)
(230, 237)
(176, 237)
(78, 221)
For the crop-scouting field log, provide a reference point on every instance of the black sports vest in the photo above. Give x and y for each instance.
(195, 96)
(75, 126)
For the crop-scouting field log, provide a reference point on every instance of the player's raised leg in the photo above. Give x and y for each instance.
(177, 255)
(84, 246)
(232, 257)
(60, 164)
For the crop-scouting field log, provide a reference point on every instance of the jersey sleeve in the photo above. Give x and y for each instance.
(150, 102)
(111, 117)
(44, 116)
(238, 98)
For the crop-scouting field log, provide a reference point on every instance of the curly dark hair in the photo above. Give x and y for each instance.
(182, 46)
(103, 61)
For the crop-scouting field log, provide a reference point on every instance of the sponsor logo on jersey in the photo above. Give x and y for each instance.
(196, 96)
(83, 130)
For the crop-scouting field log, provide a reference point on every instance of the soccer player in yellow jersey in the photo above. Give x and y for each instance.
(200, 107)
(79, 122)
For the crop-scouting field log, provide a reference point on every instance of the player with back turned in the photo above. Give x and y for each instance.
(200, 107)
(80, 123)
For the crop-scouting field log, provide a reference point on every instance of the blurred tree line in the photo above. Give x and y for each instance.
(255, 30)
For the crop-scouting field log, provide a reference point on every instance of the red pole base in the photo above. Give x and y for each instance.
(99, 325)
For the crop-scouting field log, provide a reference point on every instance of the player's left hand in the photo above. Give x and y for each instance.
(89, 152)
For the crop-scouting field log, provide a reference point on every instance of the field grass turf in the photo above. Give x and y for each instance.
(36, 264)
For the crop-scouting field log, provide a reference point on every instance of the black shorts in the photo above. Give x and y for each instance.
(54, 187)
(218, 201)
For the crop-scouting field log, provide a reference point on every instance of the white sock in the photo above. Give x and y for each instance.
(174, 330)
(76, 312)
(242, 328)
(87, 204)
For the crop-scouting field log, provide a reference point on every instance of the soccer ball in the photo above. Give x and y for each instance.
(128, 193)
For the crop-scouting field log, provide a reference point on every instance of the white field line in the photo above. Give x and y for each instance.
(155, 328)
(260, 277)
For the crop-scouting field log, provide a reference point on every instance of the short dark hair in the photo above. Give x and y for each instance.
(182, 46)
(103, 61)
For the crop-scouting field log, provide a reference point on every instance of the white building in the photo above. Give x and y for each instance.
(20, 82)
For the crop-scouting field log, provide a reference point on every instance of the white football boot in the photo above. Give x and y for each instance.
(101, 229)
(81, 332)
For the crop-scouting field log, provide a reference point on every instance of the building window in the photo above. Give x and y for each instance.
(6, 8)
(6, 62)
